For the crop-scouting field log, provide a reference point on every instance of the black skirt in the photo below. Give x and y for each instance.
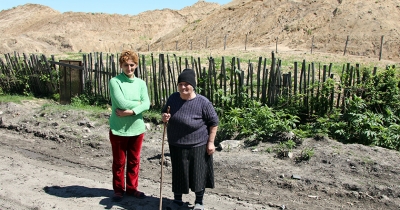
(191, 168)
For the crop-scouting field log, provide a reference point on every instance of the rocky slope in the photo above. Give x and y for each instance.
(296, 24)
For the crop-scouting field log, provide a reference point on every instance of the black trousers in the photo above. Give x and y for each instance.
(191, 168)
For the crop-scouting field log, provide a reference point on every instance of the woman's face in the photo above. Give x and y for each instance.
(185, 89)
(128, 68)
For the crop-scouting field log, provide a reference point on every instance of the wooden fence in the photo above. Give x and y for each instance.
(23, 74)
(228, 83)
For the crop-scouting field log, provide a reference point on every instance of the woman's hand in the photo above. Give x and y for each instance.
(211, 138)
(165, 117)
(124, 113)
(210, 148)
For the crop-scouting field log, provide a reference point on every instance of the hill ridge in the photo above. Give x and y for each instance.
(295, 24)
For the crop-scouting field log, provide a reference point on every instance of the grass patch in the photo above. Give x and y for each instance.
(90, 111)
(15, 98)
(60, 108)
(153, 115)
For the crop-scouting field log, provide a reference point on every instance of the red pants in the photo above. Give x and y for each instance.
(126, 149)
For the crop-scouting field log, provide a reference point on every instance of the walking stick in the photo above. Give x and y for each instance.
(162, 160)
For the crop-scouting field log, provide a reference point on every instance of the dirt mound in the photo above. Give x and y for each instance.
(293, 24)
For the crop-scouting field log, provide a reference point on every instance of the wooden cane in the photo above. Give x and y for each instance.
(162, 160)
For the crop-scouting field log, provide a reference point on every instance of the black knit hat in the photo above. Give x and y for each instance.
(188, 76)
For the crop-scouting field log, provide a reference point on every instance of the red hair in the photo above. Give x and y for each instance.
(128, 55)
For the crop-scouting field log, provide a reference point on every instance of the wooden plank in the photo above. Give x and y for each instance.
(313, 87)
(304, 88)
(290, 86)
(278, 86)
(224, 76)
(168, 77)
(259, 78)
(250, 73)
(271, 81)
(155, 84)
(238, 81)
(163, 78)
(381, 48)
(295, 81)
(241, 86)
(307, 89)
(231, 81)
(264, 83)
(325, 100)
(332, 95)
(345, 46)
(101, 74)
(210, 82)
(215, 86)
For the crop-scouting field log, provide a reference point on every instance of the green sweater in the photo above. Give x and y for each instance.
(128, 94)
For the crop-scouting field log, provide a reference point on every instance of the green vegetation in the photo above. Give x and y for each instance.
(54, 106)
(144, 38)
(306, 154)
(73, 56)
(94, 112)
(370, 113)
(255, 120)
(14, 98)
(283, 148)
(371, 117)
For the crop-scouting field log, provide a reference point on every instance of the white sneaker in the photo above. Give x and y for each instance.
(198, 207)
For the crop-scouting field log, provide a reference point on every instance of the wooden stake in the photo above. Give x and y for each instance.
(162, 160)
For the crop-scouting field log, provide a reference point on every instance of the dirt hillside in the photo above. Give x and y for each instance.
(295, 24)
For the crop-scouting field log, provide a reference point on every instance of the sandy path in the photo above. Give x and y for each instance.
(30, 180)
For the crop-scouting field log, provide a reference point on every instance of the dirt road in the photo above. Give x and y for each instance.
(32, 179)
(52, 159)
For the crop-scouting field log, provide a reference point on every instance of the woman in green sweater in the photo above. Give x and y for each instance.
(129, 98)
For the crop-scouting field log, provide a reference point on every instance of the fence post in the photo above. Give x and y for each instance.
(295, 79)
(345, 46)
(276, 46)
(223, 72)
(380, 50)
(264, 82)
(176, 45)
(312, 44)
(245, 43)
(225, 42)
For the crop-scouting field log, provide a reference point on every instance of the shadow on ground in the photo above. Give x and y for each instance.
(128, 202)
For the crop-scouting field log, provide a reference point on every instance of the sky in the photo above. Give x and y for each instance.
(121, 7)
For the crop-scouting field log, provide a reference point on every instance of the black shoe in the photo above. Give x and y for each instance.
(137, 194)
(117, 197)
(174, 205)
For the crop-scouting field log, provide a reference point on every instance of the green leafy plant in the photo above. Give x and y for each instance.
(283, 149)
(269, 150)
(256, 120)
(306, 154)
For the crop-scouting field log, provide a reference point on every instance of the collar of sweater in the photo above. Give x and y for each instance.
(126, 78)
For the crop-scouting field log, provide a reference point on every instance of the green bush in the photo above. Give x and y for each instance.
(256, 120)
(371, 116)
